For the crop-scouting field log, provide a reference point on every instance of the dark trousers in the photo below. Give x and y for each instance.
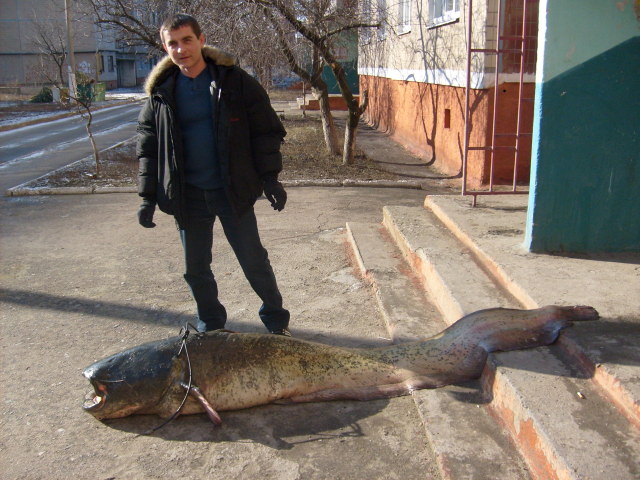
(203, 206)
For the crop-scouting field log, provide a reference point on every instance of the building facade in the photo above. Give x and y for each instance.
(415, 67)
(34, 42)
(579, 61)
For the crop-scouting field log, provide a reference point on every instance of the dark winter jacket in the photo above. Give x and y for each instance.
(248, 131)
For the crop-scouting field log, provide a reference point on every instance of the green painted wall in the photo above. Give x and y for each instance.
(585, 179)
(578, 30)
(351, 68)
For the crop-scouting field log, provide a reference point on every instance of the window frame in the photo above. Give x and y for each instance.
(441, 14)
(381, 6)
(404, 17)
(366, 12)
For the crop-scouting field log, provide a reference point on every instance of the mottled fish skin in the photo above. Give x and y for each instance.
(239, 370)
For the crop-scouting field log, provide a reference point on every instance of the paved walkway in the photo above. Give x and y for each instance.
(81, 280)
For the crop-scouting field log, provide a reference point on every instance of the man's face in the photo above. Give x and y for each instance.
(185, 49)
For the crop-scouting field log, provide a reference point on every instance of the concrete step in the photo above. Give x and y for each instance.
(467, 443)
(405, 309)
(608, 349)
(561, 434)
(336, 102)
(444, 265)
(466, 440)
(558, 419)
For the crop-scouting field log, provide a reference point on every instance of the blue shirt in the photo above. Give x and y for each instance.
(195, 120)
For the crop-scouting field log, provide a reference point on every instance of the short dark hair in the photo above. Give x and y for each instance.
(180, 20)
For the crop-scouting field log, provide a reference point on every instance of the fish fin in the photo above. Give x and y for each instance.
(223, 330)
(364, 393)
(505, 329)
(208, 408)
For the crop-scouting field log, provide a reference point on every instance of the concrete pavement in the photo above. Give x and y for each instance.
(82, 280)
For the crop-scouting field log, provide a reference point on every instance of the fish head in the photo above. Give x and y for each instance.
(133, 381)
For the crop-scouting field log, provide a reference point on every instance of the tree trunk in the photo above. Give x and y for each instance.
(96, 153)
(328, 125)
(350, 129)
(356, 108)
(318, 87)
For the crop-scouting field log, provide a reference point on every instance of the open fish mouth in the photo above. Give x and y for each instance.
(93, 401)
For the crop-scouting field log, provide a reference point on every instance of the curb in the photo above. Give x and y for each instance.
(353, 183)
(23, 190)
(26, 191)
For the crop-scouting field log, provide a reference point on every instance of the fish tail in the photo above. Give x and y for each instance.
(502, 329)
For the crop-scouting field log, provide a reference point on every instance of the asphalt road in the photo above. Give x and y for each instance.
(29, 152)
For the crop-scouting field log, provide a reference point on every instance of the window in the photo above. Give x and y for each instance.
(110, 63)
(404, 16)
(373, 14)
(382, 19)
(443, 11)
(367, 17)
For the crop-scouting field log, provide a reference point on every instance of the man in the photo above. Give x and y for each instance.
(209, 146)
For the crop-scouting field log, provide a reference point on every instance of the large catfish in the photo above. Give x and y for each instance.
(220, 370)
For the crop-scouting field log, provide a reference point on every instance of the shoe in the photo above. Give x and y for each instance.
(283, 331)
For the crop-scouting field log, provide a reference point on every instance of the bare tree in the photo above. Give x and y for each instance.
(262, 40)
(325, 24)
(249, 37)
(134, 26)
(258, 39)
(296, 52)
(49, 39)
(83, 101)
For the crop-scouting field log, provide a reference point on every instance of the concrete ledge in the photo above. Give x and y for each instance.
(405, 309)
(336, 102)
(617, 382)
(353, 183)
(558, 419)
(497, 272)
(21, 191)
(445, 267)
(494, 232)
(535, 394)
(467, 443)
(27, 191)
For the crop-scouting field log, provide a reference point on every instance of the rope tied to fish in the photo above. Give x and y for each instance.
(183, 335)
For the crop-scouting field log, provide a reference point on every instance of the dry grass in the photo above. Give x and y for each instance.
(118, 168)
(304, 158)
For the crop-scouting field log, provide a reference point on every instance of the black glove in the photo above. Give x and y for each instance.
(275, 193)
(145, 213)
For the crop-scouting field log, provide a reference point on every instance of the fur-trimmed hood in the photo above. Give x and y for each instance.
(166, 66)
